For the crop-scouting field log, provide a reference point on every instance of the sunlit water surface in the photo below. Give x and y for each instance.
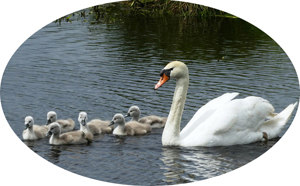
(103, 69)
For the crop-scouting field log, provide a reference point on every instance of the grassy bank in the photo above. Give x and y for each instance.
(141, 8)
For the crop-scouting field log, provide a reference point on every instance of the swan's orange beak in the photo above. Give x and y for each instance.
(164, 78)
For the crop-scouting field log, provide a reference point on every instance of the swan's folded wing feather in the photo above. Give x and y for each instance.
(67, 138)
(273, 126)
(205, 112)
(210, 129)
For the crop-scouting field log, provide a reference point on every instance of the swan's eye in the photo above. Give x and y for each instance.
(167, 72)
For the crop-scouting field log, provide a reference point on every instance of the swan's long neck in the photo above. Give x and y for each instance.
(30, 130)
(85, 128)
(135, 117)
(54, 137)
(31, 133)
(119, 130)
(171, 133)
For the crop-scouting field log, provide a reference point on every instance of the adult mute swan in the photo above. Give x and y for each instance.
(222, 121)
(152, 120)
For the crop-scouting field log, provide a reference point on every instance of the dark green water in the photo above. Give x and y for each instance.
(103, 69)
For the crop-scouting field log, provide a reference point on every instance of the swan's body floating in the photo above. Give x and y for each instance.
(130, 128)
(152, 120)
(33, 132)
(68, 138)
(66, 125)
(222, 121)
(98, 126)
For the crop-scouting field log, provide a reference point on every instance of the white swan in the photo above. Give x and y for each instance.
(68, 138)
(152, 120)
(222, 121)
(66, 125)
(33, 132)
(130, 128)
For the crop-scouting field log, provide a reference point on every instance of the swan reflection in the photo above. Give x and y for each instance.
(183, 165)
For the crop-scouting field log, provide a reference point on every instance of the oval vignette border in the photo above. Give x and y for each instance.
(21, 19)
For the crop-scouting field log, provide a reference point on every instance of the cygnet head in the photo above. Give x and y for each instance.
(118, 119)
(173, 70)
(82, 118)
(54, 128)
(28, 122)
(134, 111)
(51, 117)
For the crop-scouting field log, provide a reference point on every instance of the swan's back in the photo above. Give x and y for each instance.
(98, 126)
(66, 125)
(40, 131)
(138, 128)
(205, 112)
(154, 121)
(238, 121)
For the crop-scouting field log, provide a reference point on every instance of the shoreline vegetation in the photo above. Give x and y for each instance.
(113, 12)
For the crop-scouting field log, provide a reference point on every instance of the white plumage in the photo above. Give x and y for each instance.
(222, 121)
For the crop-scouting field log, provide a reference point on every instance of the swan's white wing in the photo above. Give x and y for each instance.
(235, 122)
(205, 112)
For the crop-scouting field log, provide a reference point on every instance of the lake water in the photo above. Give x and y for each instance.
(103, 69)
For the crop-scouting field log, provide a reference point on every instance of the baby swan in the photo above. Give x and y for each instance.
(68, 138)
(33, 132)
(66, 125)
(98, 126)
(154, 121)
(130, 128)
(82, 118)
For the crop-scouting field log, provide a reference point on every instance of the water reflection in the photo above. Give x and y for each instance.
(183, 165)
(54, 154)
(173, 168)
(30, 143)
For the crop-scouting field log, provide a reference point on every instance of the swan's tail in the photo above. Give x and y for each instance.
(274, 126)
